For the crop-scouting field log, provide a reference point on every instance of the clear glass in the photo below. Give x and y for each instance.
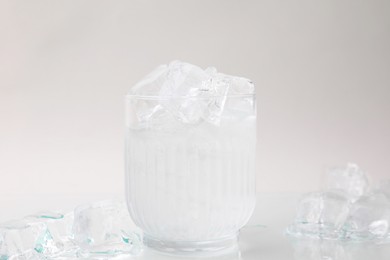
(190, 184)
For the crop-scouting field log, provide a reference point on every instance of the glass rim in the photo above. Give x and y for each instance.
(153, 97)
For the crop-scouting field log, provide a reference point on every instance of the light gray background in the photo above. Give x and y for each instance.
(321, 69)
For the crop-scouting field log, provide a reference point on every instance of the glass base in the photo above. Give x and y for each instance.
(223, 246)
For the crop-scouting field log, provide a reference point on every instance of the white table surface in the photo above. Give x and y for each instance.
(262, 238)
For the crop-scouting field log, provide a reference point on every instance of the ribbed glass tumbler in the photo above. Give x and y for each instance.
(190, 170)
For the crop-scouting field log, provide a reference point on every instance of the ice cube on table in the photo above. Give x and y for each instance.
(21, 240)
(105, 229)
(320, 215)
(369, 218)
(58, 238)
(349, 179)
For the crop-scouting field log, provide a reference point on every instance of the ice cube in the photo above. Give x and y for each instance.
(240, 104)
(185, 80)
(21, 240)
(105, 229)
(320, 215)
(185, 85)
(369, 218)
(57, 240)
(190, 94)
(350, 179)
(219, 86)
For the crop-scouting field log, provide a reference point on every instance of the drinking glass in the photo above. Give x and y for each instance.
(190, 170)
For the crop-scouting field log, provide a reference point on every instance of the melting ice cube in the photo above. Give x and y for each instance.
(320, 215)
(58, 237)
(105, 229)
(21, 240)
(369, 218)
